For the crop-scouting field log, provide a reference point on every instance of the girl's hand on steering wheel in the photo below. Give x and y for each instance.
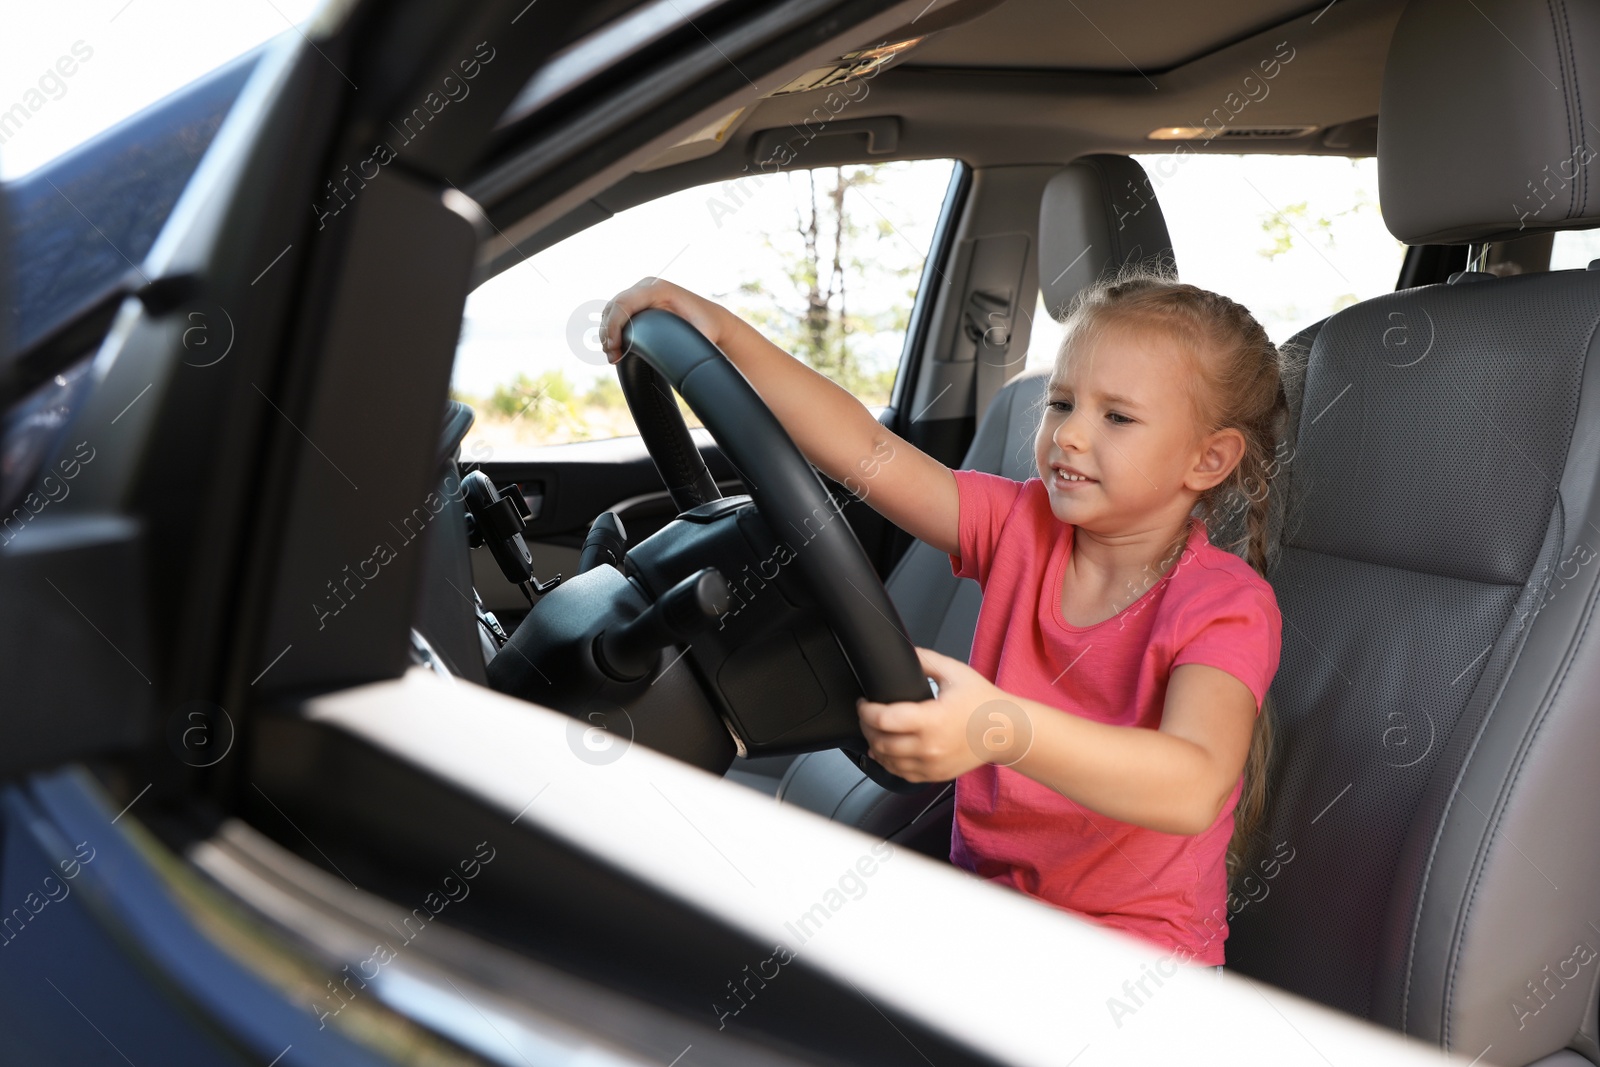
(931, 740)
(696, 310)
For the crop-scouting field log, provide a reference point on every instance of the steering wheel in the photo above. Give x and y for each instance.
(659, 345)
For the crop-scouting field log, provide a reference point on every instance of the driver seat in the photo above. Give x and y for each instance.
(1097, 215)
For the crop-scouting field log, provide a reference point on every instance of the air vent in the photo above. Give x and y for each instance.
(1265, 131)
(1209, 133)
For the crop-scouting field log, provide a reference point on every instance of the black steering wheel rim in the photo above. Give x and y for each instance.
(663, 350)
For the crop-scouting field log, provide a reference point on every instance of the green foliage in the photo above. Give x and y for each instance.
(830, 256)
(523, 395)
(1296, 221)
(605, 393)
(550, 404)
(1281, 228)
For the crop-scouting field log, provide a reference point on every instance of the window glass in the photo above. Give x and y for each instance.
(824, 262)
(1292, 238)
(71, 71)
(1574, 249)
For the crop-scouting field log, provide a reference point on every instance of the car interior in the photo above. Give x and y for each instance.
(1429, 546)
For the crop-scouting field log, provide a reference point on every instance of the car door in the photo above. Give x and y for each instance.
(207, 573)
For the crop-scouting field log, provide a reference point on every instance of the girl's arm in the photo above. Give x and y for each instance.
(1175, 779)
(830, 426)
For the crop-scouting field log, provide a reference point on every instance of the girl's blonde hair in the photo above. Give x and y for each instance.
(1237, 377)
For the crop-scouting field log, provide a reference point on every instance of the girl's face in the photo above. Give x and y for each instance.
(1118, 447)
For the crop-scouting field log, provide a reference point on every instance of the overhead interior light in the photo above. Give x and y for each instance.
(862, 64)
(1181, 133)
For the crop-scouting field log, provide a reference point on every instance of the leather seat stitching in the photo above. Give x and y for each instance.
(1444, 817)
(1520, 764)
(1402, 567)
(1579, 197)
(1443, 821)
(1566, 103)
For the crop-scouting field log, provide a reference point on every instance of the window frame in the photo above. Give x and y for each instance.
(921, 321)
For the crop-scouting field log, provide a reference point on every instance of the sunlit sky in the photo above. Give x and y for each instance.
(140, 51)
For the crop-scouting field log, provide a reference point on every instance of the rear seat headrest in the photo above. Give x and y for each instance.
(1098, 215)
(1489, 123)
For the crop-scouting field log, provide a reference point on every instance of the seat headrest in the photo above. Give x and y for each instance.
(1486, 125)
(1098, 215)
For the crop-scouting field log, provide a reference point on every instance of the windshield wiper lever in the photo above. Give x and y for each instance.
(607, 543)
(628, 652)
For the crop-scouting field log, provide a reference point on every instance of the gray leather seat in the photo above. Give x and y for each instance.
(1097, 215)
(1431, 858)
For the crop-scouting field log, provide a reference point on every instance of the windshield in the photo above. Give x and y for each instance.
(71, 71)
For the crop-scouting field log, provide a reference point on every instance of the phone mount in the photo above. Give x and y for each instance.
(500, 522)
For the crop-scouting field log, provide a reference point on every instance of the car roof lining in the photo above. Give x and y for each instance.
(1109, 36)
(1006, 116)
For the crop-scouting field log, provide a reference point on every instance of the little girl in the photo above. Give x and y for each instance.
(1108, 727)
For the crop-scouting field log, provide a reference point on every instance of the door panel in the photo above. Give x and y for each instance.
(566, 487)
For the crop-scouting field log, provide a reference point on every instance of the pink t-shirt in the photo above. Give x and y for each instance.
(1211, 607)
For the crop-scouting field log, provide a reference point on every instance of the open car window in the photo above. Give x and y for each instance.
(1574, 249)
(1293, 238)
(825, 262)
